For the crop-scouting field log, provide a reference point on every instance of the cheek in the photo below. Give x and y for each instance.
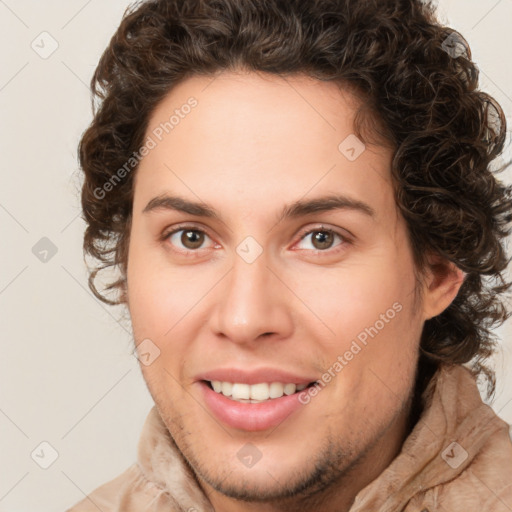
(160, 295)
(376, 330)
(350, 300)
(377, 337)
(161, 304)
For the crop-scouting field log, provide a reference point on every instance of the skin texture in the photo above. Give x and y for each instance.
(253, 144)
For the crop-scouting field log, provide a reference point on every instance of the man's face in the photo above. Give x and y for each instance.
(267, 302)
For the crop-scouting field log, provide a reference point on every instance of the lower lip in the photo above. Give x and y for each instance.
(247, 416)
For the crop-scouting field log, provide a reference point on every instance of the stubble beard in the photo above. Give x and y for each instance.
(332, 470)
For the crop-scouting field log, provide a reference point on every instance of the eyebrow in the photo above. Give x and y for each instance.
(300, 208)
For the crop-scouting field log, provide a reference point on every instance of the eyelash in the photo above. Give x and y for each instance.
(191, 252)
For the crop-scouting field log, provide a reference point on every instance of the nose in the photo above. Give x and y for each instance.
(253, 304)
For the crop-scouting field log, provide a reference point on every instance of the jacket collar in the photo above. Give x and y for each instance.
(452, 429)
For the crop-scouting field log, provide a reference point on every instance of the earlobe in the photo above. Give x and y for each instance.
(442, 285)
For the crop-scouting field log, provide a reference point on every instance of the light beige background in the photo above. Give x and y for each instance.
(67, 374)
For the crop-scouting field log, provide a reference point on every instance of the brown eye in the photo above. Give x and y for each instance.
(192, 239)
(187, 239)
(323, 239)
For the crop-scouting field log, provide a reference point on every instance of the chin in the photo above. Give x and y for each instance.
(273, 478)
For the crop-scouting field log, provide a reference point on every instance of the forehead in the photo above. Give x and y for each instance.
(239, 136)
(254, 108)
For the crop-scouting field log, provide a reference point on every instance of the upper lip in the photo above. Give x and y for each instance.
(254, 376)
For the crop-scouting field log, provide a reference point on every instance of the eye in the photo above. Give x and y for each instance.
(187, 238)
(322, 239)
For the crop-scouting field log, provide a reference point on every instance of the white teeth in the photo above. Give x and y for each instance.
(289, 389)
(255, 393)
(241, 391)
(226, 388)
(259, 391)
(276, 390)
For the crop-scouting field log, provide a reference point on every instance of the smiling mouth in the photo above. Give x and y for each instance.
(255, 393)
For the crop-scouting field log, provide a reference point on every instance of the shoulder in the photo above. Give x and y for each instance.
(488, 480)
(128, 492)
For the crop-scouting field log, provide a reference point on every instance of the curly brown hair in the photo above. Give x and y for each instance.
(416, 78)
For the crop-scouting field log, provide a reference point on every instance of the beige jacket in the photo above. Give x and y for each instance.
(458, 458)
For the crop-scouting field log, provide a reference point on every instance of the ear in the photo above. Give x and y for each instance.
(441, 285)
